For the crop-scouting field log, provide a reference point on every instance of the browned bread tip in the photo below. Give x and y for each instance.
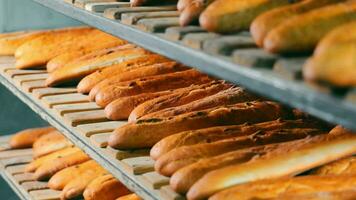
(26, 138)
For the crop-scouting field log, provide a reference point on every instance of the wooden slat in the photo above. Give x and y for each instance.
(254, 58)
(24, 177)
(226, 44)
(82, 3)
(133, 18)
(16, 169)
(100, 140)
(7, 60)
(42, 92)
(118, 154)
(77, 107)
(16, 152)
(115, 13)
(139, 165)
(155, 180)
(34, 185)
(16, 160)
(85, 117)
(157, 25)
(5, 138)
(289, 68)
(102, 127)
(167, 193)
(4, 146)
(18, 72)
(31, 85)
(177, 33)
(47, 194)
(51, 101)
(195, 40)
(100, 7)
(31, 77)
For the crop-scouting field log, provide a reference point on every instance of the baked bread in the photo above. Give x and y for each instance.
(48, 169)
(226, 97)
(78, 69)
(225, 16)
(267, 21)
(333, 60)
(348, 194)
(35, 164)
(151, 2)
(63, 177)
(38, 51)
(177, 99)
(146, 133)
(26, 138)
(343, 166)
(213, 134)
(156, 84)
(273, 188)
(105, 188)
(88, 82)
(137, 73)
(129, 197)
(282, 162)
(302, 33)
(49, 143)
(176, 159)
(190, 10)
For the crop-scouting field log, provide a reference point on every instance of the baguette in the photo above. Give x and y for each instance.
(213, 134)
(63, 177)
(48, 169)
(283, 162)
(303, 185)
(333, 60)
(159, 83)
(49, 143)
(141, 72)
(301, 33)
(343, 166)
(176, 159)
(76, 70)
(105, 188)
(129, 197)
(87, 83)
(225, 16)
(146, 133)
(38, 51)
(225, 97)
(177, 99)
(26, 138)
(76, 186)
(348, 194)
(190, 10)
(267, 21)
(35, 164)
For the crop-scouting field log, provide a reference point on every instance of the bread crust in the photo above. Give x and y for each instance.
(146, 133)
(339, 167)
(26, 138)
(49, 143)
(129, 197)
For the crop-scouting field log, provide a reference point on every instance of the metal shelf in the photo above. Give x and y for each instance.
(263, 81)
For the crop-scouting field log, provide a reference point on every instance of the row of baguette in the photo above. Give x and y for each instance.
(207, 134)
(67, 168)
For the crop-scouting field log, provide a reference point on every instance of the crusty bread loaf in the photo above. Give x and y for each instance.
(147, 72)
(146, 133)
(76, 70)
(35, 164)
(87, 83)
(26, 138)
(49, 143)
(63, 177)
(267, 21)
(176, 159)
(177, 99)
(226, 97)
(333, 60)
(63, 59)
(129, 197)
(38, 51)
(302, 33)
(48, 169)
(190, 10)
(343, 166)
(303, 185)
(224, 16)
(159, 83)
(213, 134)
(283, 162)
(105, 188)
(347, 194)
(77, 185)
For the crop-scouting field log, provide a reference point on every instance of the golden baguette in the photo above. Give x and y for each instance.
(333, 60)
(105, 188)
(343, 166)
(213, 134)
(146, 133)
(296, 186)
(136, 73)
(224, 16)
(177, 99)
(49, 143)
(279, 163)
(229, 96)
(26, 138)
(152, 84)
(129, 197)
(302, 33)
(176, 159)
(347, 194)
(190, 10)
(267, 21)
(48, 169)
(88, 82)
(76, 70)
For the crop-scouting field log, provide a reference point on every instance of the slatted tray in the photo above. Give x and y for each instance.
(86, 126)
(230, 57)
